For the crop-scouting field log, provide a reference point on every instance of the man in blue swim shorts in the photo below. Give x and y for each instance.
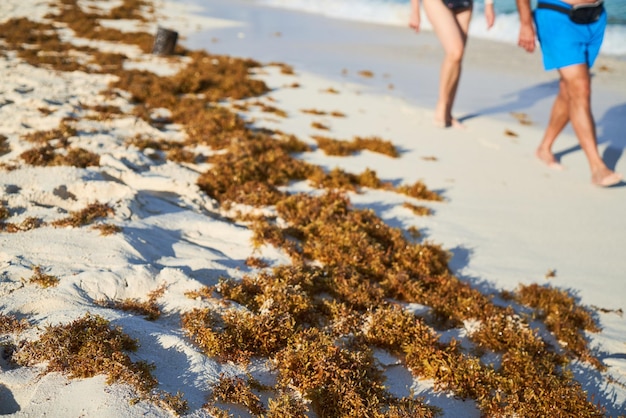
(570, 34)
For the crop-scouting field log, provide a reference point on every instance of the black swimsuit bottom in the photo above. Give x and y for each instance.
(458, 5)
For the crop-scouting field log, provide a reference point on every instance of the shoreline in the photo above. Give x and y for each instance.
(403, 63)
(394, 14)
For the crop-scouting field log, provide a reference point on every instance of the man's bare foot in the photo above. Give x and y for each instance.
(606, 178)
(548, 159)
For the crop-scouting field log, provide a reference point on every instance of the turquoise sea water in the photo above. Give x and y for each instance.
(395, 12)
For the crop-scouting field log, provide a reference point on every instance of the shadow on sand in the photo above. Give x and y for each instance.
(609, 127)
(518, 101)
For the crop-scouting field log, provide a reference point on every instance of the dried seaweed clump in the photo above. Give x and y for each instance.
(107, 229)
(340, 378)
(284, 68)
(256, 262)
(529, 381)
(4, 145)
(201, 293)
(175, 403)
(4, 211)
(338, 179)
(62, 134)
(335, 234)
(102, 112)
(532, 379)
(290, 143)
(269, 108)
(86, 216)
(174, 150)
(235, 390)
(376, 144)
(10, 324)
(144, 142)
(568, 321)
(337, 147)
(337, 379)
(251, 171)
(214, 126)
(285, 292)
(132, 9)
(219, 77)
(332, 146)
(87, 347)
(360, 250)
(320, 126)
(419, 210)
(238, 335)
(318, 112)
(148, 308)
(286, 405)
(210, 78)
(48, 156)
(26, 225)
(42, 279)
(315, 112)
(403, 333)
(40, 45)
(336, 373)
(20, 33)
(87, 24)
(55, 149)
(419, 191)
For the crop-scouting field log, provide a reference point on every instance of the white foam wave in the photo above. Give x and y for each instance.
(369, 11)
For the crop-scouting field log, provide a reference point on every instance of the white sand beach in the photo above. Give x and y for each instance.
(505, 219)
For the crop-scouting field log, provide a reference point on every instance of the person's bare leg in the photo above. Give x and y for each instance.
(463, 19)
(451, 30)
(578, 84)
(559, 117)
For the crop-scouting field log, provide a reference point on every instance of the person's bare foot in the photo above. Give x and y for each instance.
(455, 123)
(546, 157)
(606, 178)
(452, 123)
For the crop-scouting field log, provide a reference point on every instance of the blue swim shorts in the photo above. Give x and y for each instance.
(564, 42)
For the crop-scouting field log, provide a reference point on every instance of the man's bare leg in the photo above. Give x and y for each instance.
(451, 29)
(559, 117)
(577, 82)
